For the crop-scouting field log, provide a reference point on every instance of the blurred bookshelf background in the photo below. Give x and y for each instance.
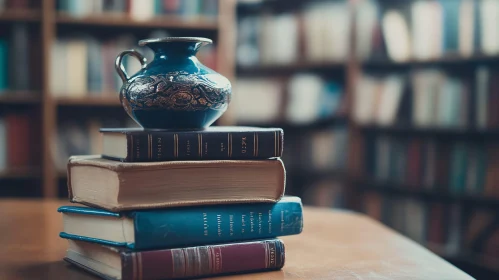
(388, 107)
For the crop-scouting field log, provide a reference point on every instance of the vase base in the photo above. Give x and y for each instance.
(176, 120)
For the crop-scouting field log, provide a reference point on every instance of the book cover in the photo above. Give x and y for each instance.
(3, 144)
(214, 143)
(451, 24)
(18, 140)
(176, 227)
(4, 66)
(19, 78)
(190, 262)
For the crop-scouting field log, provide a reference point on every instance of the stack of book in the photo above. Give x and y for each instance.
(180, 204)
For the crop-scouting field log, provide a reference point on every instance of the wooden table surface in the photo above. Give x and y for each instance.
(333, 245)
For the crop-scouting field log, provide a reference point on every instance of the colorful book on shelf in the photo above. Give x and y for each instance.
(191, 262)
(183, 226)
(4, 66)
(214, 143)
(118, 186)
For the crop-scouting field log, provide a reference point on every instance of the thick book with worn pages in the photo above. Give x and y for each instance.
(118, 186)
(191, 262)
(183, 226)
(139, 145)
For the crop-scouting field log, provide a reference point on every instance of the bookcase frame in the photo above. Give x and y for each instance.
(354, 179)
(47, 19)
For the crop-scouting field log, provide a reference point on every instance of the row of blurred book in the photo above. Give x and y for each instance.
(321, 150)
(422, 164)
(317, 33)
(14, 4)
(429, 98)
(84, 65)
(328, 193)
(424, 30)
(140, 9)
(448, 228)
(401, 31)
(302, 99)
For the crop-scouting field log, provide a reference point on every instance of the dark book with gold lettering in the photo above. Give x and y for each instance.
(191, 262)
(234, 143)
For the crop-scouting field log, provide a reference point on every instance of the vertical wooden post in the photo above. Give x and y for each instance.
(48, 105)
(226, 48)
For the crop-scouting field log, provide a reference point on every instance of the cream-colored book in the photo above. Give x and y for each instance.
(118, 186)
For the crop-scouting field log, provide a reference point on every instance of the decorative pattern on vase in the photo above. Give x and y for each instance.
(178, 91)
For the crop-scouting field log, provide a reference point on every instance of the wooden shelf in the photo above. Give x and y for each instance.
(290, 68)
(111, 101)
(20, 15)
(296, 127)
(455, 133)
(449, 60)
(424, 193)
(20, 173)
(270, 5)
(114, 20)
(20, 97)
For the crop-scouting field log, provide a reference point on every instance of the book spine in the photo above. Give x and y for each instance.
(204, 261)
(216, 224)
(166, 146)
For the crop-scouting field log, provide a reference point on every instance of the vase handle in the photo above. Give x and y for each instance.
(121, 69)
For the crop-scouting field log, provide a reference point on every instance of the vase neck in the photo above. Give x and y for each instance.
(174, 50)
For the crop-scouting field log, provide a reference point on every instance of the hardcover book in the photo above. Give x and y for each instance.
(139, 145)
(185, 226)
(191, 262)
(120, 186)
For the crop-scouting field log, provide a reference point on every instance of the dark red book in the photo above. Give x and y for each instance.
(18, 140)
(414, 164)
(190, 262)
(436, 232)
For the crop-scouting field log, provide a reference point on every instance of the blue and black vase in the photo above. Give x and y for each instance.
(175, 90)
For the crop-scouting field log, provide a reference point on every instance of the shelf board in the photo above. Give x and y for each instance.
(116, 20)
(295, 127)
(449, 60)
(15, 15)
(269, 5)
(20, 173)
(20, 97)
(108, 100)
(288, 69)
(424, 193)
(444, 132)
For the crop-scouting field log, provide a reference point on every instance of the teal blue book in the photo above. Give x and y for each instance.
(451, 24)
(186, 226)
(4, 67)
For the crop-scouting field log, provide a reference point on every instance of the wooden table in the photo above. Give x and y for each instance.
(334, 245)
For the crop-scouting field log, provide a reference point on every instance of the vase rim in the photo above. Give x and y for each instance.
(175, 39)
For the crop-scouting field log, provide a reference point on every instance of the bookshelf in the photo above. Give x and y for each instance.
(451, 61)
(47, 110)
